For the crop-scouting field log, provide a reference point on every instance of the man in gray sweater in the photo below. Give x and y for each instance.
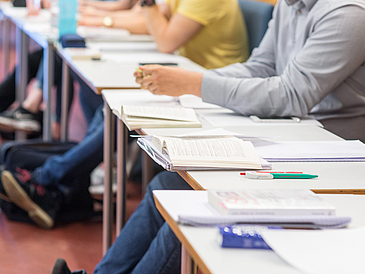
(310, 62)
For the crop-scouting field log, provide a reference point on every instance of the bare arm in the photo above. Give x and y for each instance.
(172, 81)
(169, 32)
(108, 6)
(131, 20)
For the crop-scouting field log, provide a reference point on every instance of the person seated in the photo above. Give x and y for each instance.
(314, 66)
(192, 26)
(28, 115)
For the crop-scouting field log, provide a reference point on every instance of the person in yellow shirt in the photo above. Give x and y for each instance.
(211, 33)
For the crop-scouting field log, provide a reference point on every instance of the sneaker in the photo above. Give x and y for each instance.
(21, 119)
(60, 267)
(42, 204)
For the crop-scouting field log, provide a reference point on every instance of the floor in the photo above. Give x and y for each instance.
(26, 248)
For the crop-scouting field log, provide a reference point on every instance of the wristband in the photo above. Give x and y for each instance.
(148, 3)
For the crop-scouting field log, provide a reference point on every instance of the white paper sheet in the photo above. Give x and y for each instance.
(191, 101)
(320, 252)
(223, 132)
(282, 151)
(235, 119)
(123, 46)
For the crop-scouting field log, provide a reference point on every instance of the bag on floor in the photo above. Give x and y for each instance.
(29, 155)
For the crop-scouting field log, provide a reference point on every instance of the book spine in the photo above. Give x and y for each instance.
(242, 236)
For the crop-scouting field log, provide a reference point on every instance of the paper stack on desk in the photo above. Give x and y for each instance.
(312, 151)
(191, 207)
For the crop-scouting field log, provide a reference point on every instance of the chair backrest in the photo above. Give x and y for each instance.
(257, 16)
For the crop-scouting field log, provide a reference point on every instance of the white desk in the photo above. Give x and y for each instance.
(201, 248)
(204, 180)
(334, 177)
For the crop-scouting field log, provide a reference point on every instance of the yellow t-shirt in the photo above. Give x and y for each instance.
(223, 38)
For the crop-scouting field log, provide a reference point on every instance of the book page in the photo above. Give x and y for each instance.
(207, 147)
(168, 113)
(213, 151)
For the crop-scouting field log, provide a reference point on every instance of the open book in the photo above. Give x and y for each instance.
(201, 152)
(135, 117)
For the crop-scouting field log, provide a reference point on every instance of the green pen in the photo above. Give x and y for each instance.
(278, 175)
(141, 71)
(293, 176)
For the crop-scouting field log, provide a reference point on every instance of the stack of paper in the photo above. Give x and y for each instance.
(192, 207)
(312, 151)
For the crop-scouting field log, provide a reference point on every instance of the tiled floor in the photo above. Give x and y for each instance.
(26, 248)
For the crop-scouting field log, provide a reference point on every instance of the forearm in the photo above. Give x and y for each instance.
(157, 25)
(135, 24)
(110, 6)
(264, 97)
(131, 21)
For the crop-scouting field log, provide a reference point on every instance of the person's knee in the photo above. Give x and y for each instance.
(166, 180)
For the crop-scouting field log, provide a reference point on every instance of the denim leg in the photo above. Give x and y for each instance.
(163, 255)
(146, 242)
(89, 101)
(81, 159)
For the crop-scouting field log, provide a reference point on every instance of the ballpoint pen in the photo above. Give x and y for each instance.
(272, 171)
(273, 175)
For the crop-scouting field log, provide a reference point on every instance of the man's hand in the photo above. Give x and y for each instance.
(165, 80)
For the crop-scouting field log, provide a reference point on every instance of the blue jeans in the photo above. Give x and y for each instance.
(146, 244)
(79, 160)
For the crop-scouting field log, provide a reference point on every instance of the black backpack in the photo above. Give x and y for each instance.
(31, 154)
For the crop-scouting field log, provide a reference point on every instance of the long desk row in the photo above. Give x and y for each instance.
(334, 177)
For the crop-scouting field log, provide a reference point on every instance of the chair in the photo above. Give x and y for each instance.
(257, 16)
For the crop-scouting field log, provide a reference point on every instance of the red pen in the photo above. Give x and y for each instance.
(297, 172)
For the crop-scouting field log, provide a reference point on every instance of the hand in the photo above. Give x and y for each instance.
(33, 7)
(172, 81)
(88, 11)
(90, 21)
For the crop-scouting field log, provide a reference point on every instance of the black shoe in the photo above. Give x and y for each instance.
(21, 119)
(42, 204)
(60, 267)
(7, 136)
